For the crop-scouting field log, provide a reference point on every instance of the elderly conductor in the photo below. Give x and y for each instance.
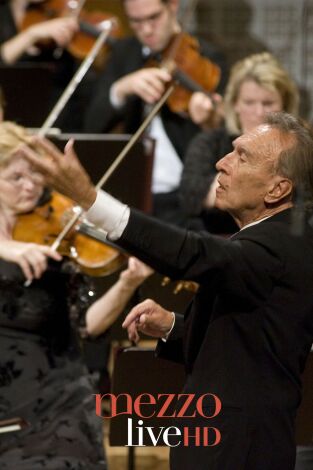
(248, 331)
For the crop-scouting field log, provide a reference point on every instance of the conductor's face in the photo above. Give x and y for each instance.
(247, 177)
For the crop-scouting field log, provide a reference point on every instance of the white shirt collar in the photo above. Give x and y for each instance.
(255, 223)
(146, 51)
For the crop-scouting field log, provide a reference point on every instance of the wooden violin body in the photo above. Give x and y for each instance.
(85, 245)
(90, 24)
(192, 71)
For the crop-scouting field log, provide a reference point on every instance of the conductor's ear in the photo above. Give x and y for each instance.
(281, 188)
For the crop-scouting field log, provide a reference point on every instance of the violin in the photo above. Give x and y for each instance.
(90, 24)
(191, 71)
(85, 245)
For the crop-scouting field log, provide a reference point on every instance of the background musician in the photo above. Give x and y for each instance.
(125, 88)
(44, 41)
(15, 42)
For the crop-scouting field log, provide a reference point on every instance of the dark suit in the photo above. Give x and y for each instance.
(126, 57)
(247, 333)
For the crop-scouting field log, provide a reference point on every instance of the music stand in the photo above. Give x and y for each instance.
(137, 371)
(27, 90)
(131, 182)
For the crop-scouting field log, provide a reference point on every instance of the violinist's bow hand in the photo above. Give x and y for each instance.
(148, 84)
(31, 257)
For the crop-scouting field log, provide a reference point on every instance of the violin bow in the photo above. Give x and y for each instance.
(76, 79)
(62, 101)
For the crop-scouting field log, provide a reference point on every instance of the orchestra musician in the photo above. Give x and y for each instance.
(127, 87)
(29, 45)
(42, 376)
(15, 42)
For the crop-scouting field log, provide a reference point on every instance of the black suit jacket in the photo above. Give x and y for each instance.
(249, 328)
(245, 337)
(126, 57)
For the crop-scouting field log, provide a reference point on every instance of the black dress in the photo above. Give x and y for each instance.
(42, 378)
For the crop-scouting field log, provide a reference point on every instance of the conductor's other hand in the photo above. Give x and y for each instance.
(150, 318)
(62, 172)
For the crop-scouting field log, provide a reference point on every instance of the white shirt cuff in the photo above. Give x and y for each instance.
(165, 338)
(116, 102)
(109, 214)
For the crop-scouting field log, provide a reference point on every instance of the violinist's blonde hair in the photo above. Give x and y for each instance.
(11, 137)
(265, 70)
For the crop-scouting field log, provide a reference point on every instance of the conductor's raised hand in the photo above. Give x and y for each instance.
(150, 318)
(61, 171)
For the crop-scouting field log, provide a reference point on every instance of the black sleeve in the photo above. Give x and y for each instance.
(172, 349)
(175, 252)
(125, 57)
(100, 114)
(199, 256)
